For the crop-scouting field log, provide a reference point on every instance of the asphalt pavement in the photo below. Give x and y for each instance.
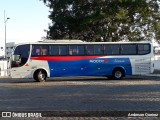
(135, 93)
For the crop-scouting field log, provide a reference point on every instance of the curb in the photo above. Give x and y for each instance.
(152, 75)
(5, 77)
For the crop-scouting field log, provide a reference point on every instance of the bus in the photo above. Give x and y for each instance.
(62, 58)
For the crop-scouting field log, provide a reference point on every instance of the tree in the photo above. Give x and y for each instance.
(104, 20)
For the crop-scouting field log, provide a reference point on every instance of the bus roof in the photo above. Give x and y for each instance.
(62, 41)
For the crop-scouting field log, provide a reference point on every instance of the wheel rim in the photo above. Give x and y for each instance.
(42, 75)
(118, 74)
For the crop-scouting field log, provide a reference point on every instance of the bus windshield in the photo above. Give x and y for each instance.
(20, 55)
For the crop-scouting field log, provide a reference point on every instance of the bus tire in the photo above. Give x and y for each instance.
(35, 78)
(118, 74)
(40, 75)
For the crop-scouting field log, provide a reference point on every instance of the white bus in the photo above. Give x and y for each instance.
(61, 58)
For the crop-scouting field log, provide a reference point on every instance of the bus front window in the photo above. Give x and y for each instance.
(20, 55)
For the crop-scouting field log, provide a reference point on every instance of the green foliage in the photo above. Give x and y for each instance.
(104, 20)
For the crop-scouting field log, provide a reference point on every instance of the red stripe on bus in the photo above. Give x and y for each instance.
(63, 58)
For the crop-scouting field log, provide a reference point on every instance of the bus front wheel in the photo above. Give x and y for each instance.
(40, 76)
(118, 74)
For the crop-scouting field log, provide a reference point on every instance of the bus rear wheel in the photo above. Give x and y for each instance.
(40, 76)
(118, 74)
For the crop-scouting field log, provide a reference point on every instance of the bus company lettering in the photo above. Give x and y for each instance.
(119, 61)
(106, 61)
(96, 61)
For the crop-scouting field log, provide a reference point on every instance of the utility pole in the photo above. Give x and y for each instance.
(5, 21)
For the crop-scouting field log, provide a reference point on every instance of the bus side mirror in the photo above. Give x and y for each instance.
(16, 57)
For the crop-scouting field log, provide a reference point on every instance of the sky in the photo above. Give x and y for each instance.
(28, 20)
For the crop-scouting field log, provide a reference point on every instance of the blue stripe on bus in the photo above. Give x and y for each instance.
(90, 67)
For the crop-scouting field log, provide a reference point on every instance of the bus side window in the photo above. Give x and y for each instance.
(71, 47)
(63, 50)
(81, 50)
(90, 49)
(73, 50)
(143, 49)
(98, 50)
(112, 49)
(76, 50)
(44, 50)
(37, 51)
(70, 52)
(128, 49)
(54, 50)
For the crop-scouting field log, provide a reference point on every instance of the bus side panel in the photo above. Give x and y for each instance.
(142, 65)
(66, 68)
(89, 67)
(123, 63)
